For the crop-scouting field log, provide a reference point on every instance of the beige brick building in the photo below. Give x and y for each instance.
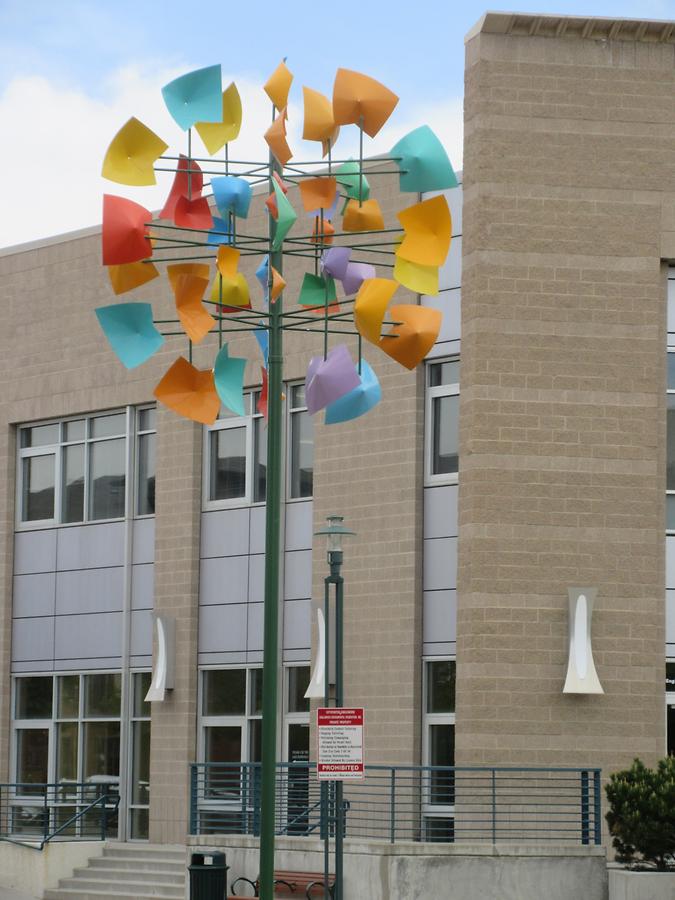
(469, 534)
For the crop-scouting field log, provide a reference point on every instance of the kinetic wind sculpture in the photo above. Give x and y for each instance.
(345, 238)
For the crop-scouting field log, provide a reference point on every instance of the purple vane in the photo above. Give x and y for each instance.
(335, 261)
(329, 379)
(355, 275)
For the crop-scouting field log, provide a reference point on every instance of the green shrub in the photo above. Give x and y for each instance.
(641, 816)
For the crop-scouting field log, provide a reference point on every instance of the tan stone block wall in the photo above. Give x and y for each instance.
(568, 165)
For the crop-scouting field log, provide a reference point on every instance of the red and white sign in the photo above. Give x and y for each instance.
(340, 736)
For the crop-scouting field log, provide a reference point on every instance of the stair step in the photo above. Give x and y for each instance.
(135, 887)
(125, 862)
(158, 876)
(152, 851)
(109, 894)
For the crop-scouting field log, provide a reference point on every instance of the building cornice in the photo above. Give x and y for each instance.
(596, 28)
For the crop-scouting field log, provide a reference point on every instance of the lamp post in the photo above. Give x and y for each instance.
(335, 531)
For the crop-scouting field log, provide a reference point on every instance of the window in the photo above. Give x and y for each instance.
(301, 453)
(235, 453)
(76, 470)
(670, 445)
(442, 421)
(296, 731)
(139, 804)
(439, 749)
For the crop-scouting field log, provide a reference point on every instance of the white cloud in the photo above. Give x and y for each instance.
(59, 137)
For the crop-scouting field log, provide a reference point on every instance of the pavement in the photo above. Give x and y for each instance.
(8, 894)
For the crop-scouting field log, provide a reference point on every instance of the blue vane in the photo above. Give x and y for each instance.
(195, 97)
(232, 195)
(219, 234)
(130, 331)
(358, 401)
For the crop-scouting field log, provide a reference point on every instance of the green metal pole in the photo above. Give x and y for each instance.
(339, 702)
(272, 552)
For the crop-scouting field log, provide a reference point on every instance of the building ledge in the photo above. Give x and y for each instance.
(596, 28)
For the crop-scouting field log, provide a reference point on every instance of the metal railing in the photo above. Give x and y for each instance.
(35, 814)
(407, 803)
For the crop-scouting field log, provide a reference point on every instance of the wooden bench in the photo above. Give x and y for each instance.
(288, 884)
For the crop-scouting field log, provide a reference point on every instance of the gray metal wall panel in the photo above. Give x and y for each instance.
(670, 562)
(90, 591)
(440, 511)
(257, 539)
(302, 655)
(234, 658)
(33, 639)
(86, 663)
(35, 551)
(223, 580)
(450, 304)
(224, 532)
(143, 586)
(450, 273)
(90, 546)
(143, 541)
(91, 636)
(297, 624)
(440, 617)
(440, 564)
(298, 575)
(33, 595)
(254, 627)
(256, 579)
(670, 617)
(222, 628)
(299, 525)
(39, 665)
(141, 633)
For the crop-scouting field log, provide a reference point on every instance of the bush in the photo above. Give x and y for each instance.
(641, 816)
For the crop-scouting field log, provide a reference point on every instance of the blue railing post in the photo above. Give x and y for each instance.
(194, 825)
(392, 807)
(585, 821)
(494, 806)
(597, 807)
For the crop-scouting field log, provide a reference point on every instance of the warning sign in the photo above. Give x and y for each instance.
(340, 736)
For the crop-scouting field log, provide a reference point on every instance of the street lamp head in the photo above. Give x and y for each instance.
(334, 532)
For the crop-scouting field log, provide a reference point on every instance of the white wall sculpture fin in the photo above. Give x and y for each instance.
(163, 658)
(316, 689)
(581, 675)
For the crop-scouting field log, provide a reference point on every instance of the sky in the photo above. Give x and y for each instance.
(73, 71)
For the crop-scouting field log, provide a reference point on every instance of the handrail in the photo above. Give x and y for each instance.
(18, 795)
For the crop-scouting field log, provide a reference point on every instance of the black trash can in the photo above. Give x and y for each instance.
(208, 876)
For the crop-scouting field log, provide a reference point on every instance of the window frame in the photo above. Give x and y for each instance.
(137, 435)
(222, 424)
(431, 394)
(292, 411)
(130, 435)
(431, 810)
(669, 392)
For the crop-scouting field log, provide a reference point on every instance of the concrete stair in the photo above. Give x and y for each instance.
(127, 872)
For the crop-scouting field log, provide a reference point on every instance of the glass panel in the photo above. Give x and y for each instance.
(444, 373)
(146, 475)
(147, 419)
(442, 753)
(73, 431)
(445, 435)
(102, 695)
(73, 483)
(298, 743)
(108, 426)
(222, 744)
(225, 692)
(670, 444)
(38, 478)
(255, 740)
(298, 396)
(69, 696)
(66, 752)
(139, 824)
(228, 464)
(671, 731)
(671, 371)
(259, 460)
(63, 814)
(102, 752)
(34, 697)
(298, 779)
(437, 829)
(298, 681)
(441, 686)
(140, 779)
(302, 454)
(32, 752)
(141, 685)
(670, 677)
(106, 479)
(255, 683)
(28, 819)
(670, 512)
(40, 435)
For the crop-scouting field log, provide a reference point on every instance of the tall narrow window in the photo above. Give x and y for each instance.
(439, 741)
(442, 436)
(228, 449)
(670, 445)
(259, 452)
(301, 444)
(145, 483)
